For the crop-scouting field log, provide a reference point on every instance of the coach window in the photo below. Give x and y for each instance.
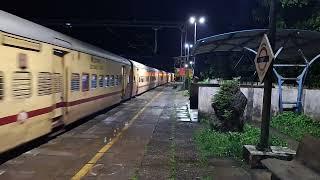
(116, 80)
(75, 82)
(100, 81)
(44, 84)
(21, 85)
(57, 83)
(93, 81)
(112, 80)
(85, 82)
(107, 81)
(1, 86)
(120, 79)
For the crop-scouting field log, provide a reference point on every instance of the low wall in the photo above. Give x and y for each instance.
(311, 101)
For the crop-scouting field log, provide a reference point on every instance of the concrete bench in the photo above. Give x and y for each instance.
(305, 166)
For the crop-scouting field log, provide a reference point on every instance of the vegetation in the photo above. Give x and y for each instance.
(186, 93)
(225, 96)
(135, 175)
(206, 178)
(229, 104)
(212, 143)
(173, 162)
(295, 125)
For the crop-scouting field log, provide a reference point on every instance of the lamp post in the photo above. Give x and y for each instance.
(195, 21)
(187, 47)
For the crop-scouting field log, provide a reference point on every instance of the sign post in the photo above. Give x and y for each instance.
(264, 61)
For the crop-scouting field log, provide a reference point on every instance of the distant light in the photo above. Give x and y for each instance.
(186, 45)
(202, 20)
(192, 20)
(68, 24)
(190, 45)
(191, 62)
(186, 65)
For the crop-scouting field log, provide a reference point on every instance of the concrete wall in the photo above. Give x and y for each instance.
(311, 101)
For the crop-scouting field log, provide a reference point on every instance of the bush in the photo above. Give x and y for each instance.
(224, 97)
(229, 104)
(296, 125)
(230, 144)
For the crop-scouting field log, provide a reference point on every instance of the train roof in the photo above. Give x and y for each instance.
(142, 66)
(12, 24)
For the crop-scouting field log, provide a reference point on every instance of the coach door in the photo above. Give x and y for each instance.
(124, 81)
(58, 83)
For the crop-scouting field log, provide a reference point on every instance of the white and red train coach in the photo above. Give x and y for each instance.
(48, 79)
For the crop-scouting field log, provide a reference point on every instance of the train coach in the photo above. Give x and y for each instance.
(48, 79)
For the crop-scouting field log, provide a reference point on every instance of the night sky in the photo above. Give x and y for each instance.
(137, 43)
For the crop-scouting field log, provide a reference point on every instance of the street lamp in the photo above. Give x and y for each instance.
(194, 20)
(202, 20)
(188, 46)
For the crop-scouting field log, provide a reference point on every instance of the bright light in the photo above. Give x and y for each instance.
(192, 20)
(68, 24)
(191, 62)
(190, 45)
(186, 45)
(202, 20)
(186, 65)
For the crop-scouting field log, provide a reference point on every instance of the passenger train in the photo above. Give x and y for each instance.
(48, 79)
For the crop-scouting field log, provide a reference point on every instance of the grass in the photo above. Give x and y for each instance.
(135, 175)
(173, 162)
(212, 143)
(186, 93)
(295, 125)
(206, 178)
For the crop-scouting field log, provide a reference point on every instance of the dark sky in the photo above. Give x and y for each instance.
(222, 16)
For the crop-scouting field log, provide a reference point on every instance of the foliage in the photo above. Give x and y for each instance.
(173, 162)
(205, 81)
(225, 97)
(186, 93)
(296, 125)
(212, 143)
(290, 3)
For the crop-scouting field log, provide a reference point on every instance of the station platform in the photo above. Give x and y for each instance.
(148, 137)
(108, 146)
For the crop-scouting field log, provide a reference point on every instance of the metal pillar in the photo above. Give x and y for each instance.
(300, 81)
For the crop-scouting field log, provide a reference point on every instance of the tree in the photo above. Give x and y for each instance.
(302, 14)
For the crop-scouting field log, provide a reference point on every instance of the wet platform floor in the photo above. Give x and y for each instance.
(70, 154)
